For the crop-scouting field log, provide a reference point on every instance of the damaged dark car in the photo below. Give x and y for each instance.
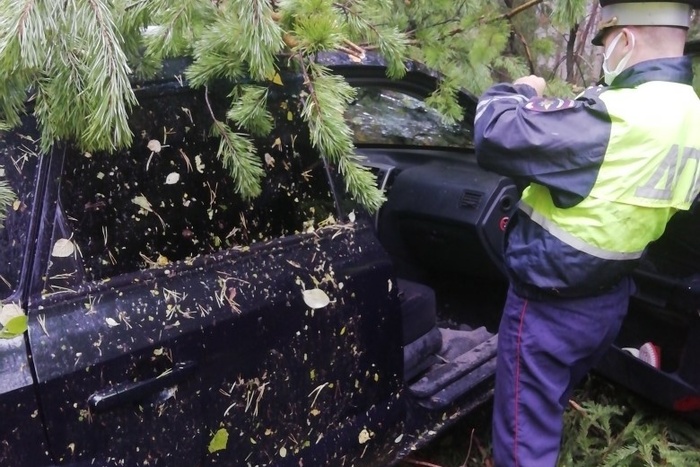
(171, 322)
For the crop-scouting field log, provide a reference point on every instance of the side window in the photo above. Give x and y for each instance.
(383, 116)
(18, 168)
(170, 198)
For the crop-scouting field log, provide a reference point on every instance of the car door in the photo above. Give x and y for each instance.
(173, 322)
(22, 439)
(114, 353)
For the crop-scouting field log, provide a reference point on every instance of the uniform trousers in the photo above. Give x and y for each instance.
(545, 348)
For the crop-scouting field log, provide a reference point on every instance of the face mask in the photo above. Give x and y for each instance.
(610, 75)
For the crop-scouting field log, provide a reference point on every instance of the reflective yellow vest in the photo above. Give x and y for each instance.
(604, 173)
(651, 169)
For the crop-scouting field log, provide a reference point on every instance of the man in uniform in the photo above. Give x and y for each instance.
(604, 174)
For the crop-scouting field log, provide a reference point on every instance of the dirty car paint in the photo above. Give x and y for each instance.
(177, 310)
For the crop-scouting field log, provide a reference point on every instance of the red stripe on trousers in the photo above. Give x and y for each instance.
(517, 382)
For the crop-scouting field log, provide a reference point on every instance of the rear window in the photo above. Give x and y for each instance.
(169, 198)
(18, 167)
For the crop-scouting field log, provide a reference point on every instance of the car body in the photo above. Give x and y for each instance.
(171, 322)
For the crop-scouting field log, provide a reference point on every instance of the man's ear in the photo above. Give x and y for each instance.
(627, 39)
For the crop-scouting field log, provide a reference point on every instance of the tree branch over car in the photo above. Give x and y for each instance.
(73, 62)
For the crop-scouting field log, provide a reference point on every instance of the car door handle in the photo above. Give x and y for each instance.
(133, 391)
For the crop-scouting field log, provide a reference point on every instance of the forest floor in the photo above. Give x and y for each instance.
(604, 425)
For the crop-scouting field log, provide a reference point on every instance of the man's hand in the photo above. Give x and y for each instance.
(535, 82)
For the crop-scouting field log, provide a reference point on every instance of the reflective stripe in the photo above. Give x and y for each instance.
(667, 169)
(653, 155)
(576, 242)
(481, 106)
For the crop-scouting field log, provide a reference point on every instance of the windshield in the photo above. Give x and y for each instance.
(383, 116)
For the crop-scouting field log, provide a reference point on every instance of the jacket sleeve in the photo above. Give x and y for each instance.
(558, 143)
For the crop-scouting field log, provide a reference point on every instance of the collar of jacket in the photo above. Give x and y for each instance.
(677, 70)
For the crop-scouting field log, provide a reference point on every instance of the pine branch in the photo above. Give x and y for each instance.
(324, 110)
(175, 25)
(6, 197)
(238, 155)
(21, 52)
(108, 84)
(260, 36)
(528, 53)
(73, 56)
(505, 16)
(516, 11)
(249, 110)
(391, 43)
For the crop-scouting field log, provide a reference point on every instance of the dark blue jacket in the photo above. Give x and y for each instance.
(580, 155)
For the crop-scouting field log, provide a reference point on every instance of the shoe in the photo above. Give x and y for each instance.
(649, 353)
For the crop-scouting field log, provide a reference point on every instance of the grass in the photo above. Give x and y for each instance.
(605, 425)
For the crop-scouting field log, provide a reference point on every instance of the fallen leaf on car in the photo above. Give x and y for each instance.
(9, 311)
(316, 298)
(111, 322)
(63, 248)
(172, 178)
(199, 165)
(219, 441)
(14, 327)
(142, 202)
(154, 145)
(364, 436)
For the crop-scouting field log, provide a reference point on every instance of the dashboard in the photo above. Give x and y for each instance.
(443, 212)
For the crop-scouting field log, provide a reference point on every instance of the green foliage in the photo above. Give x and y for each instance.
(238, 155)
(607, 427)
(71, 52)
(620, 430)
(6, 197)
(560, 88)
(390, 36)
(131, 18)
(465, 40)
(14, 327)
(249, 110)
(175, 26)
(543, 46)
(76, 59)
(216, 51)
(331, 133)
(568, 12)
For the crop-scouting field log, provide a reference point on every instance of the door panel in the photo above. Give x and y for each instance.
(245, 352)
(172, 309)
(84, 348)
(289, 375)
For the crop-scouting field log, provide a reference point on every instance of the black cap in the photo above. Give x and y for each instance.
(641, 13)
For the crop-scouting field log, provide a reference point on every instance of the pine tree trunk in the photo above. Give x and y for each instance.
(571, 56)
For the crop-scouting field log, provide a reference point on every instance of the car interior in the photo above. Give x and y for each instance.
(443, 226)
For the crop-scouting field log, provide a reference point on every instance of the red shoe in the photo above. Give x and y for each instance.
(650, 353)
